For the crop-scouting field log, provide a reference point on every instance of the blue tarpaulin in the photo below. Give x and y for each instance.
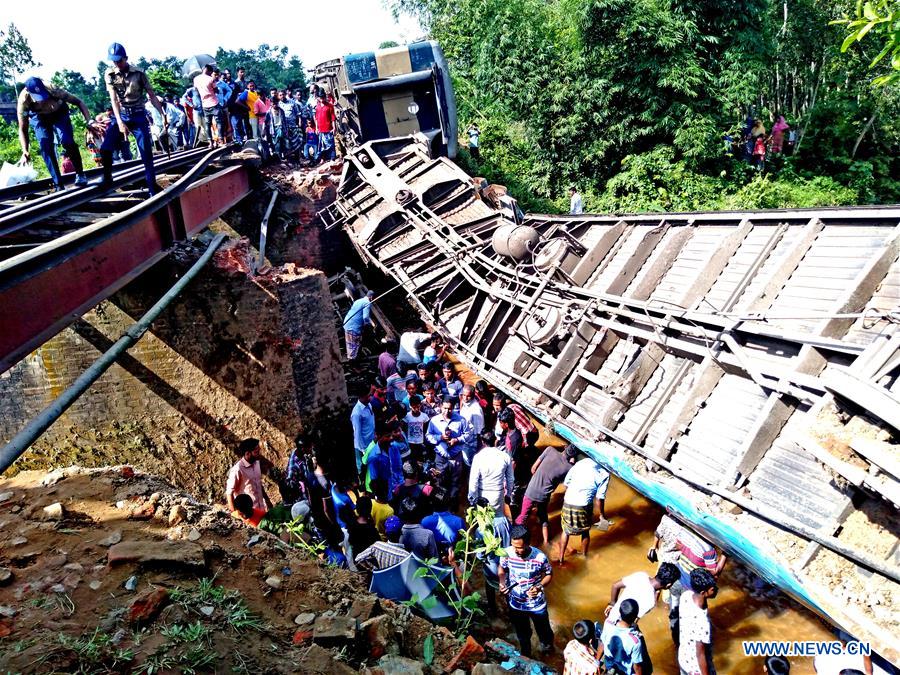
(400, 584)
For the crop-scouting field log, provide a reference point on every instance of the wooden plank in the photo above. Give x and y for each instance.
(775, 413)
(637, 259)
(662, 263)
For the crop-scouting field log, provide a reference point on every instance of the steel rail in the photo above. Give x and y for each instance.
(19, 217)
(11, 268)
(38, 425)
(37, 186)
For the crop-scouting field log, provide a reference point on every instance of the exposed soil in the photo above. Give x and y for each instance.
(224, 598)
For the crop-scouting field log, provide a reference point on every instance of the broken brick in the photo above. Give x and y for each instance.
(147, 607)
(470, 654)
(302, 636)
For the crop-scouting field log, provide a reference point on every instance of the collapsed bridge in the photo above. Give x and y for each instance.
(742, 368)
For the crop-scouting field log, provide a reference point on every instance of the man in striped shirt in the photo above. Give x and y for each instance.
(524, 572)
(384, 554)
(677, 544)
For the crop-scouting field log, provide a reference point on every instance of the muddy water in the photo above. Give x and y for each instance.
(581, 589)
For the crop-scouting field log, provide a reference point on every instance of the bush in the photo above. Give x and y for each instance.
(764, 192)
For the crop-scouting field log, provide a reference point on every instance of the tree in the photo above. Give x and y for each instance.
(165, 81)
(633, 97)
(269, 66)
(15, 54)
(387, 44)
(882, 18)
(90, 91)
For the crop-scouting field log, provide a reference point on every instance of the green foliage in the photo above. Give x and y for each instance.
(387, 44)
(96, 653)
(476, 541)
(268, 66)
(428, 650)
(631, 98)
(165, 81)
(15, 54)
(882, 18)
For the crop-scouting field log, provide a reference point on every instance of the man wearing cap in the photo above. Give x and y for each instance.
(127, 87)
(46, 108)
(383, 554)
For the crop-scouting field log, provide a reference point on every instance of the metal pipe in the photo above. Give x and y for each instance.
(37, 426)
(264, 231)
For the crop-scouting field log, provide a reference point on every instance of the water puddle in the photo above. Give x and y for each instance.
(581, 590)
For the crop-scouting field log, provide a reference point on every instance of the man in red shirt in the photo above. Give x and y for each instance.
(325, 119)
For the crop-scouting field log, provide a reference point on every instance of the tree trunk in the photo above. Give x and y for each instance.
(862, 134)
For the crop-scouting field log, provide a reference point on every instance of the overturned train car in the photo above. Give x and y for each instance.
(741, 368)
(398, 91)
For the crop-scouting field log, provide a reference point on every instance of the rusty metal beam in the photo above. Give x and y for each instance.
(93, 264)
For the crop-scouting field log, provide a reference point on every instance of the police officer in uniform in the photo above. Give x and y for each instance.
(46, 108)
(127, 87)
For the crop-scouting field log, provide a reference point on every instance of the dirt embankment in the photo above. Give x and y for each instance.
(105, 570)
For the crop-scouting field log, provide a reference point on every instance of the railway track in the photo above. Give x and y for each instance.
(91, 242)
(29, 215)
(742, 368)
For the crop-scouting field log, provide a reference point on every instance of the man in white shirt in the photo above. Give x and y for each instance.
(642, 588)
(576, 204)
(695, 631)
(411, 346)
(585, 481)
(471, 410)
(491, 476)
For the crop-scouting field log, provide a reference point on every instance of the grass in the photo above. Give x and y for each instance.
(95, 653)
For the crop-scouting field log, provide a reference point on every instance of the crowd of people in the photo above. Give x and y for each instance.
(754, 144)
(288, 124)
(215, 109)
(428, 446)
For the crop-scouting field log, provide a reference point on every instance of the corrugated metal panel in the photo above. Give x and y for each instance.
(657, 252)
(690, 261)
(714, 437)
(659, 428)
(826, 273)
(637, 412)
(600, 281)
(761, 278)
(886, 297)
(791, 481)
(738, 266)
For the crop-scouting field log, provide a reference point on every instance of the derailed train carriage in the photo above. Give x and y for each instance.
(398, 91)
(741, 368)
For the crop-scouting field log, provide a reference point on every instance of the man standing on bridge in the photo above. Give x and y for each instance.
(46, 108)
(127, 87)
